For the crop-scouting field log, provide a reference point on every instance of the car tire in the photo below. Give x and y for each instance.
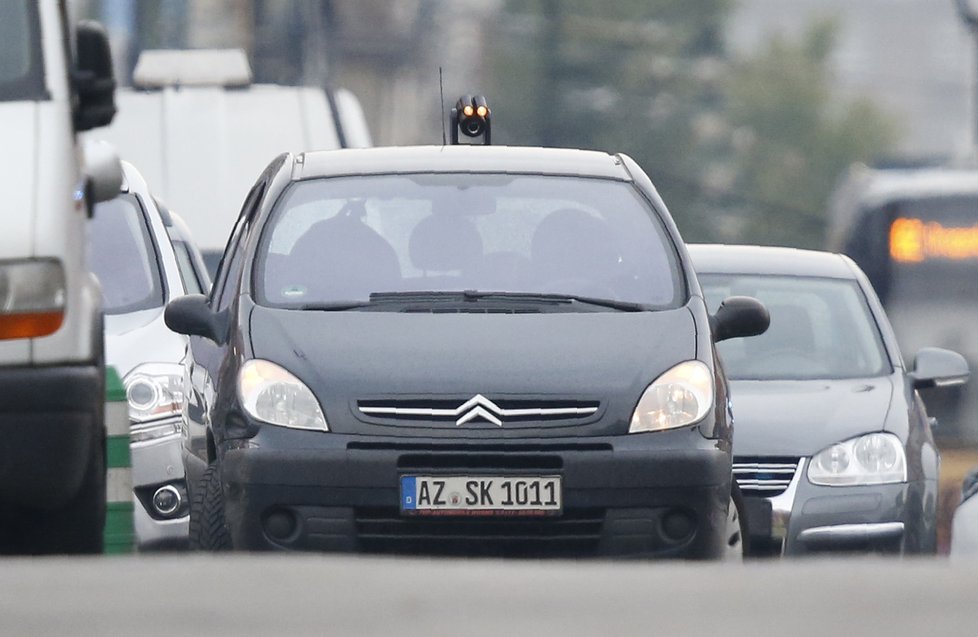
(736, 539)
(208, 527)
(78, 527)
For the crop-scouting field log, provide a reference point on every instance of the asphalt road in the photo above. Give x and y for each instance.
(315, 595)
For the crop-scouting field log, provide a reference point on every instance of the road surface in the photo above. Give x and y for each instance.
(244, 595)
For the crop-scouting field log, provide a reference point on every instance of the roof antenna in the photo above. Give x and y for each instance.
(441, 107)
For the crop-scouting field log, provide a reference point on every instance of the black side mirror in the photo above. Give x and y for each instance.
(93, 79)
(739, 316)
(191, 315)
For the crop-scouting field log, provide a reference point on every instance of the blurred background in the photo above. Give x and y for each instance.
(745, 113)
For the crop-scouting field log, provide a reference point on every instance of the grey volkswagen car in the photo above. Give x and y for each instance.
(468, 349)
(143, 256)
(833, 449)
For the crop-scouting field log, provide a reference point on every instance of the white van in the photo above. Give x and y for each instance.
(199, 131)
(53, 83)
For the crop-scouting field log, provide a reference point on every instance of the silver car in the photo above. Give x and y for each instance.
(832, 446)
(143, 256)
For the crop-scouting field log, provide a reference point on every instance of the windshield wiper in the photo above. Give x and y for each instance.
(625, 306)
(439, 296)
(415, 295)
(331, 306)
(526, 297)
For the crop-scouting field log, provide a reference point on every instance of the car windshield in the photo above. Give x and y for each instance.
(820, 329)
(344, 239)
(20, 58)
(123, 257)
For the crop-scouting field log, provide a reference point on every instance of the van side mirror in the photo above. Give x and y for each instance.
(936, 367)
(93, 78)
(191, 315)
(739, 316)
(102, 170)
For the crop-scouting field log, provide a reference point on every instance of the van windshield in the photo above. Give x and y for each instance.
(354, 239)
(20, 52)
(123, 257)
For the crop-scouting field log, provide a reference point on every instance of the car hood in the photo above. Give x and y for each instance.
(140, 337)
(800, 418)
(347, 356)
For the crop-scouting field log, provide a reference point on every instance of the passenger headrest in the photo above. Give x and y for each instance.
(348, 257)
(570, 241)
(445, 242)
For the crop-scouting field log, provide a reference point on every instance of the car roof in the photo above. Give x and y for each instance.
(747, 259)
(460, 158)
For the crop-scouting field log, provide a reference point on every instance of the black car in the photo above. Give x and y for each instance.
(459, 349)
(833, 447)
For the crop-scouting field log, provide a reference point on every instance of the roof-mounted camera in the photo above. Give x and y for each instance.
(472, 116)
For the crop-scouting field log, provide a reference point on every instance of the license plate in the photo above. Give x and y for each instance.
(480, 495)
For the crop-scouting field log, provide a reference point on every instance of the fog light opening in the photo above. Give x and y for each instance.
(281, 525)
(677, 525)
(167, 500)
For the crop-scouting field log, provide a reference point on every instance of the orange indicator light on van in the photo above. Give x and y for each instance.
(915, 241)
(30, 324)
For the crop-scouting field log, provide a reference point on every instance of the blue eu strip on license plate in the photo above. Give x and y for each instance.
(408, 493)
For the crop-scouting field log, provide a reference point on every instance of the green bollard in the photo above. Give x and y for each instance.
(119, 526)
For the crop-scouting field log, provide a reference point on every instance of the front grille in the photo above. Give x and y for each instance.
(764, 476)
(574, 532)
(480, 462)
(504, 449)
(478, 408)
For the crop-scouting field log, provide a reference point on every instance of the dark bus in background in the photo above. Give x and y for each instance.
(915, 234)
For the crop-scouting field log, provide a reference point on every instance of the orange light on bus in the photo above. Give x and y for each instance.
(915, 241)
(907, 241)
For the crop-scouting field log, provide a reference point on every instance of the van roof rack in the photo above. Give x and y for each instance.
(160, 68)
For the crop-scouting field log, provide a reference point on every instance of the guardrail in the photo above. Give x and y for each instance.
(119, 534)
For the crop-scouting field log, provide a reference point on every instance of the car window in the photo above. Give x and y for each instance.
(343, 239)
(188, 274)
(224, 279)
(820, 328)
(123, 257)
(21, 74)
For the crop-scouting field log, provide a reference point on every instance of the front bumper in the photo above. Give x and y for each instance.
(622, 496)
(156, 463)
(810, 519)
(50, 422)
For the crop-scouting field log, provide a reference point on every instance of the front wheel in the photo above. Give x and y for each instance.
(208, 528)
(735, 536)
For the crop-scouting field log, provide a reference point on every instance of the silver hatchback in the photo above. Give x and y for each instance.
(143, 256)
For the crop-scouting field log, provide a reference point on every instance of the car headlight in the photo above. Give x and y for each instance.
(273, 395)
(876, 458)
(679, 397)
(32, 297)
(154, 392)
